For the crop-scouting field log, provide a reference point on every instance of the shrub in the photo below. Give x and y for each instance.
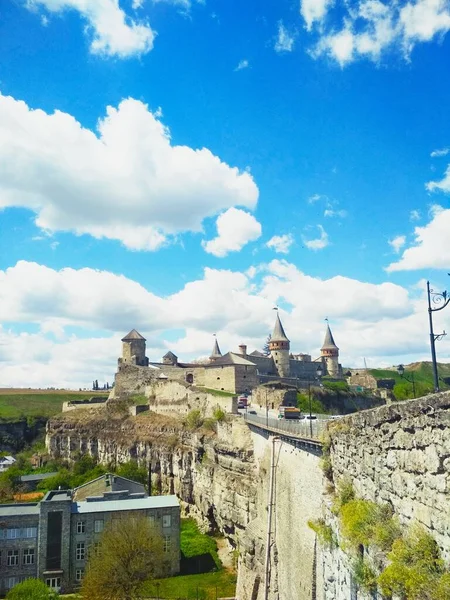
(219, 414)
(326, 466)
(324, 533)
(345, 493)
(31, 589)
(194, 419)
(368, 524)
(415, 569)
(364, 575)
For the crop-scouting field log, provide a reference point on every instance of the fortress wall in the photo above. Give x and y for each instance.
(400, 454)
(263, 395)
(166, 397)
(298, 489)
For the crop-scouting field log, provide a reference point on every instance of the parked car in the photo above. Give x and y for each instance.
(310, 417)
(252, 412)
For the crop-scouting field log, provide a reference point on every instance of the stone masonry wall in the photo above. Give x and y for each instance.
(168, 397)
(400, 454)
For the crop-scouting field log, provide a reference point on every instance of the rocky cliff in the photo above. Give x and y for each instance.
(211, 473)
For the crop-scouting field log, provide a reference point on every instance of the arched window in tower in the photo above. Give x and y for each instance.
(189, 378)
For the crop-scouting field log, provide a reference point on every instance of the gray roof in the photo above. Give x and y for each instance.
(170, 355)
(259, 354)
(95, 506)
(36, 477)
(278, 334)
(12, 510)
(329, 341)
(230, 358)
(216, 353)
(133, 335)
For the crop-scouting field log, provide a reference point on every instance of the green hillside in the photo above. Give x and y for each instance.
(423, 378)
(19, 403)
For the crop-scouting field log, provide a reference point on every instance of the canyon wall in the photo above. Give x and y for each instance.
(212, 474)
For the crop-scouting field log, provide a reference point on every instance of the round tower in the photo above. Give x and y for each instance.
(279, 347)
(330, 354)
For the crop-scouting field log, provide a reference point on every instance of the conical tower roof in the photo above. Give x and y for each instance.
(216, 353)
(133, 335)
(278, 334)
(329, 343)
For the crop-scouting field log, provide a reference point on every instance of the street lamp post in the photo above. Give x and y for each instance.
(440, 299)
(401, 372)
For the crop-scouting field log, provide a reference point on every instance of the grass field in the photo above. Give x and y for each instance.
(205, 586)
(19, 403)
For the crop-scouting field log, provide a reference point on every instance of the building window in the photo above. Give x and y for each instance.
(167, 521)
(12, 534)
(80, 527)
(80, 551)
(98, 525)
(167, 543)
(28, 556)
(79, 574)
(30, 532)
(11, 582)
(13, 558)
(53, 582)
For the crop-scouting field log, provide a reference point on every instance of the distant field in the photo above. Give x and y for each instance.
(18, 403)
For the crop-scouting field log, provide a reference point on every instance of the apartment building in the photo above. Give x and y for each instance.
(51, 539)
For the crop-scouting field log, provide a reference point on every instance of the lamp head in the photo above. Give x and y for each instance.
(319, 371)
(401, 370)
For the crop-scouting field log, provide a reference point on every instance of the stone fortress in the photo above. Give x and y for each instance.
(233, 372)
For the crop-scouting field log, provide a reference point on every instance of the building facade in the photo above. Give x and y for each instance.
(51, 539)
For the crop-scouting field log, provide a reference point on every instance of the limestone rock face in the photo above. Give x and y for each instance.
(212, 477)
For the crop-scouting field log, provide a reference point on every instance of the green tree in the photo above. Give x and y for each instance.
(130, 552)
(131, 470)
(31, 589)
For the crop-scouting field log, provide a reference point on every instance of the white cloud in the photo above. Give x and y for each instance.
(368, 28)
(443, 185)
(127, 181)
(315, 198)
(331, 212)
(314, 11)
(367, 319)
(114, 32)
(243, 64)
(285, 40)
(439, 153)
(281, 243)
(431, 249)
(318, 243)
(414, 215)
(397, 243)
(235, 229)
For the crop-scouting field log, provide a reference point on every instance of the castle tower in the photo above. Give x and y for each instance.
(133, 349)
(330, 354)
(216, 353)
(279, 346)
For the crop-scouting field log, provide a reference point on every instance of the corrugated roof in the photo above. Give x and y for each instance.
(278, 334)
(329, 343)
(133, 335)
(96, 506)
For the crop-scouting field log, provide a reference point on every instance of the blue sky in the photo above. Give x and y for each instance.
(302, 131)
